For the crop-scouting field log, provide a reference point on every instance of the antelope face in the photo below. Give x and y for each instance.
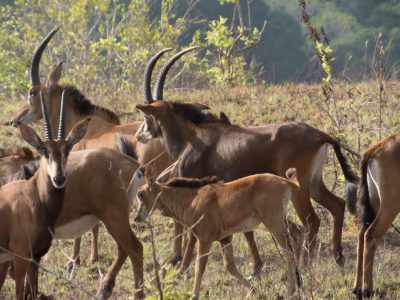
(51, 92)
(54, 153)
(149, 129)
(147, 197)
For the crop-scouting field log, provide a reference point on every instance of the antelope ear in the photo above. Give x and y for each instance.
(54, 75)
(77, 133)
(30, 136)
(147, 109)
(151, 174)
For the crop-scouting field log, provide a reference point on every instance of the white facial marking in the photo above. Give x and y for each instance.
(53, 170)
(143, 135)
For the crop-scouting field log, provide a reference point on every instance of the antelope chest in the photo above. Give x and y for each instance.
(4, 257)
(76, 228)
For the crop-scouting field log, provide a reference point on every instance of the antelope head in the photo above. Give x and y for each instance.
(149, 128)
(54, 152)
(50, 89)
(148, 195)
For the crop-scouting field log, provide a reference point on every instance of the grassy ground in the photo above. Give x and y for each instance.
(354, 116)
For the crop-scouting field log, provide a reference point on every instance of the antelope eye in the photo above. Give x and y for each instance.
(44, 152)
(140, 196)
(33, 93)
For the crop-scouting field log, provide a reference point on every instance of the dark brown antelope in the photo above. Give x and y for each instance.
(215, 211)
(378, 205)
(210, 146)
(105, 197)
(29, 208)
(104, 129)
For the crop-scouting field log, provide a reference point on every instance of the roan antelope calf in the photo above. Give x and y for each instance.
(378, 205)
(29, 208)
(218, 210)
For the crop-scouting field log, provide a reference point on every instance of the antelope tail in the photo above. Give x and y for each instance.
(367, 214)
(351, 178)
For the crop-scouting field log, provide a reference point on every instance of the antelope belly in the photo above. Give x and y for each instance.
(246, 225)
(76, 228)
(4, 257)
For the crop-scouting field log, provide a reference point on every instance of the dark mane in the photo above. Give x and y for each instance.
(84, 107)
(125, 146)
(198, 113)
(191, 183)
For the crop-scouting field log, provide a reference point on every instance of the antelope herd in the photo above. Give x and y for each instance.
(210, 176)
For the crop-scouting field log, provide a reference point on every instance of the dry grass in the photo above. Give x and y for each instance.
(358, 109)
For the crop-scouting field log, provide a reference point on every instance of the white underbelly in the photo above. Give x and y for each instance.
(76, 228)
(4, 257)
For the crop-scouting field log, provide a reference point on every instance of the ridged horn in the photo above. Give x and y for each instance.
(61, 125)
(35, 79)
(148, 97)
(47, 127)
(162, 75)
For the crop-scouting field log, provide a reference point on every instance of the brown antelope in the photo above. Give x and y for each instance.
(106, 198)
(104, 130)
(210, 146)
(29, 208)
(215, 211)
(378, 205)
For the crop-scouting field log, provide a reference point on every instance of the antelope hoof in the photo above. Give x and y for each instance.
(257, 269)
(71, 264)
(45, 297)
(339, 258)
(357, 292)
(367, 293)
(107, 290)
(175, 260)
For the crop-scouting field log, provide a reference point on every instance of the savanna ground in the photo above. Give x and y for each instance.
(358, 116)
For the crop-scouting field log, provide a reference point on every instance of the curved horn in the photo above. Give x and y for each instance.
(47, 127)
(38, 55)
(162, 75)
(148, 98)
(61, 125)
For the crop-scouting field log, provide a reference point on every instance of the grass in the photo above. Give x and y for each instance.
(358, 115)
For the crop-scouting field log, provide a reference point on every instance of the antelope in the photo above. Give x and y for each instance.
(215, 211)
(101, 132)
(29, 208)
(209, 146)
(378, 206)
(106, 198)
(104, 129)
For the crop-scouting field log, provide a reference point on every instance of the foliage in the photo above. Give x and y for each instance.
(224, 63)
(105, 44)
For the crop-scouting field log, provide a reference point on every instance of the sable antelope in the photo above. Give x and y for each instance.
(217, 210)
(210, 146)
(378, 205)
(29, 208)
(104, 129)
(104, 198)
